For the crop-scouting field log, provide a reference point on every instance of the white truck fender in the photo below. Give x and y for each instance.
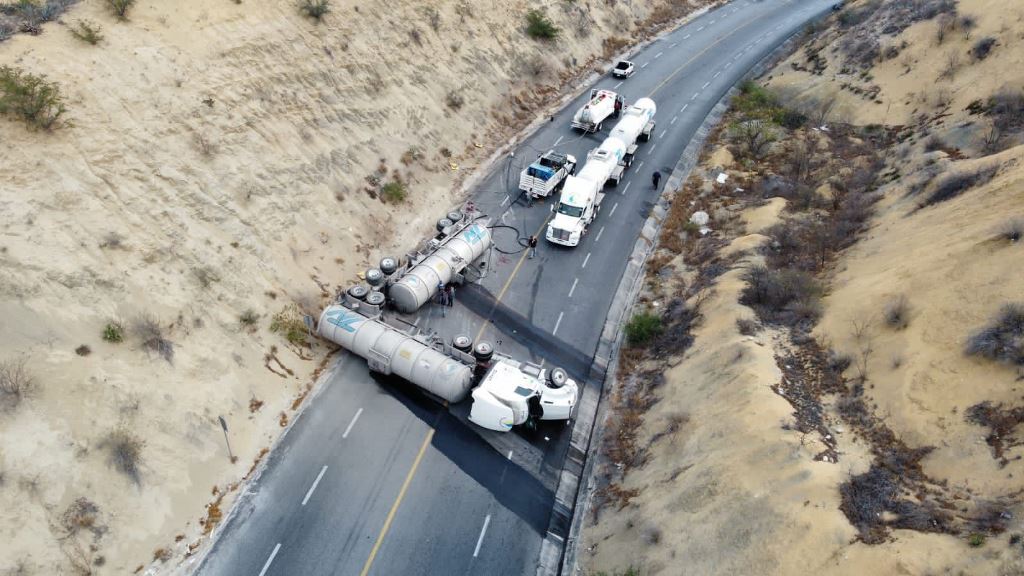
(488, 412)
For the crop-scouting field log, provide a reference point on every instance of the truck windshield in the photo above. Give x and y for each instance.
(573, 211)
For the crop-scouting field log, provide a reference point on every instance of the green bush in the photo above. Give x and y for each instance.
(120, 7)
(113, 332)
(643, 328)
(394, 191)
(538, 26)
(315, 9)
(30, 98)
(288, 323)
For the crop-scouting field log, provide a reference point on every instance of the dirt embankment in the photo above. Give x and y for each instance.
(227, 166)
(845, 395)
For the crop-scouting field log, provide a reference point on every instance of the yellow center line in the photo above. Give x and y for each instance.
(394, 507)
(698, 55)
(501, 293)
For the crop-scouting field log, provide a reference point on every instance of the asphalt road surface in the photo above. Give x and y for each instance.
(374, 478)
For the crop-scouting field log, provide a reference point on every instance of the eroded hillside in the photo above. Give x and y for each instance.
(829, 380)
(226, 167)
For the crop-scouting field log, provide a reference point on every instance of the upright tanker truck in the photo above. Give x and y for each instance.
(581, 195)
(505, 392)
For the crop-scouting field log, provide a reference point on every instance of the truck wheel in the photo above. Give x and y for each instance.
(388, 265)
(557, 378)
(443, 223)
(600, 126)
(454, 216)
(462, 343)
(358, 291)
(483, 352)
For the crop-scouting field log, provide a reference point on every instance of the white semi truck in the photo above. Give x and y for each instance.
(547, 174)
(603, 104)
(581, 195)
(505, 391)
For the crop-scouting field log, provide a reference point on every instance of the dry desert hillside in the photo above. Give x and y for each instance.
(831, 380)
(220, 169)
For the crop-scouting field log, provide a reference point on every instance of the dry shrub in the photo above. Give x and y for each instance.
(748, 326)
(16, 382)
(1003, 339)
(982, 48)
(125, 451)
(1001, 423)
(120, 7)
(1012, 230)
(897, 313)
(82, 514)
(784, 296)
(956, 184)
(148, 330)
(315, 9)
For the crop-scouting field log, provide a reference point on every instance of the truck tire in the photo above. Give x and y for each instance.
(557, 378)
(375, 298)
(443, 223)
(462, 343)
(454, 216)
(388, 265)
(483, 352)
(358, 291)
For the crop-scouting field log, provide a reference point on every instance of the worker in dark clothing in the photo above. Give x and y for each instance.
(532, 244)
(655, 179)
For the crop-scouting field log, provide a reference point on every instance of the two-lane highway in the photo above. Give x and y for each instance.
(375, 479)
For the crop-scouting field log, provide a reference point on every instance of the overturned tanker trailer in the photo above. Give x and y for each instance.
(505, 391)
(449, 257)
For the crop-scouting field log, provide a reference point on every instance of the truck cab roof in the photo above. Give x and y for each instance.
(507, 382)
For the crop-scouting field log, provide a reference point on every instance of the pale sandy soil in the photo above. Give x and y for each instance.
(227, 146)
(733, 491)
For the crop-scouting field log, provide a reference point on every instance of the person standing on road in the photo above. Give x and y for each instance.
(656, 178)
(449, 295)
(532, 244)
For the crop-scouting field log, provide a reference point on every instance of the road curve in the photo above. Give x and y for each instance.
(374, 478)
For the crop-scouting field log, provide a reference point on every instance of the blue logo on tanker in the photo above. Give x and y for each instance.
(474, 234)
(347, 321)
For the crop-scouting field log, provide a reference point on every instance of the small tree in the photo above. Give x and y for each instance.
(16, 382)
(753, 137)
(539, 27)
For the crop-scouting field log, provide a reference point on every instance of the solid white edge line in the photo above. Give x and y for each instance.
(480, 540)
(313, 487)
(585, 260)
(271, 559)
(574, 281)
(352, 423)
(613, 209)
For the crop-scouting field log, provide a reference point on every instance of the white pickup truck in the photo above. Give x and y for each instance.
(547, 174)
(603, 104)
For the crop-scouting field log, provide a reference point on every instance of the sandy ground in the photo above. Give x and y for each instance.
(219, 161)
(732, 490)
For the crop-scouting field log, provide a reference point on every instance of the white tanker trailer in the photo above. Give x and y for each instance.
(637, 125)
(507, 392)
(462, 239)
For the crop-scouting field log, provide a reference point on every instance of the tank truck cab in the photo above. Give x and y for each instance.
(513, 393)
